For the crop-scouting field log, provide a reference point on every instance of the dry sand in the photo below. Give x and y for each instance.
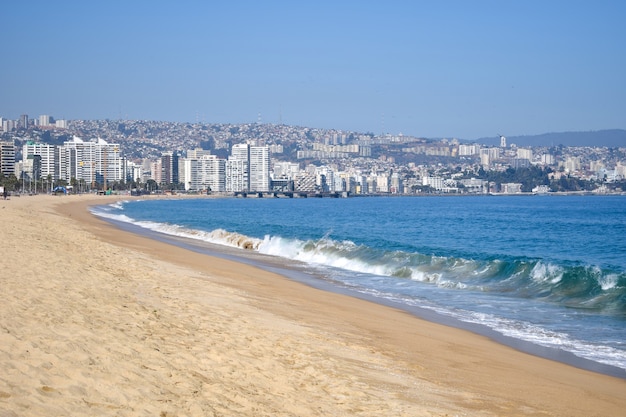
(96, 321)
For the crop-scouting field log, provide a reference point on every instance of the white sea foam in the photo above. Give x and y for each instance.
(422, 276)
(218, 236)
(490, 268)
(451, 284)
(118, 205)
(342, 255)
(102, 212)
(543, 272)
(513, 328)
(535, 334)
(608, 282)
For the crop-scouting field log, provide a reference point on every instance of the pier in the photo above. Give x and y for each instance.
(290, 194)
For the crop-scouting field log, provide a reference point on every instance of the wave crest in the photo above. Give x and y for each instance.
(577, 286)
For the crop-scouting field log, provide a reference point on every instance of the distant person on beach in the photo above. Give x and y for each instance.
(5, 193)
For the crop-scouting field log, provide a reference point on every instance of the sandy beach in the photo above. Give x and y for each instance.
(96, 321)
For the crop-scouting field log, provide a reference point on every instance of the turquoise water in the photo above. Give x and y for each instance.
(546, 270)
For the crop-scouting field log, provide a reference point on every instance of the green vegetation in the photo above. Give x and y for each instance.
(534, 176)
(528, 177)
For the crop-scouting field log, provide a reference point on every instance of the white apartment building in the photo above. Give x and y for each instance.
(382, 183)
(259, 168)
(248, 169)
(92, 162)
(156, 171)
(547, 159)
(197, 153)
(134, 172)
(511, 188)
(488, 155)
(434, 182)
(205, 173)
(240, 152)
(236, 175)
(469, 150)
(474, 185)
(325, 179)
(8, 125)
(44, 120)
(572, 164)
(237, 169)
(339, 183)
(287, 170)
(396, 186)
(49, 156)
(523, 153)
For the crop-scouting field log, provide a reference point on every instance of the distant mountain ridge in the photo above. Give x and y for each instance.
(610, 138)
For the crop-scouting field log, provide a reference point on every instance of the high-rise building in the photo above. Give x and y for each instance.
(237, 169)
(547, 159)
(572, 164)
(525, 153)
(156, 171)
(44, 120)
(205, 173)
(7, 158)
(8, 125)
(395, 184)
(134, 172)
(169, 164)
(23, 121)
(488, 155)
(468, 150)
(286, 170)
(49, 155)
(236, 175)
(248, 169)
(92, 163)
(240, 151)
(197, 153)
(259, 168)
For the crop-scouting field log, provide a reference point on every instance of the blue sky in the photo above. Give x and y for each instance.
(464, 69)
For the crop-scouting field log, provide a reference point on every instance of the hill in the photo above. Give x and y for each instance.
(611, 138)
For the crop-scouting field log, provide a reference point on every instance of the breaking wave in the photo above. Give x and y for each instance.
(574, 286)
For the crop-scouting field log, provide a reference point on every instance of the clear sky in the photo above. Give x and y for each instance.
(464, 69)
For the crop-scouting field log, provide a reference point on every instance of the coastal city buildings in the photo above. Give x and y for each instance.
(153, 156)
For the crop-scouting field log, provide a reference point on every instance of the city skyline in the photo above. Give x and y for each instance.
(451, 69)
(180, 155)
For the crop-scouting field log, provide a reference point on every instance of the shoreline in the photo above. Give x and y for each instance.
(243, 340)
(274, 265)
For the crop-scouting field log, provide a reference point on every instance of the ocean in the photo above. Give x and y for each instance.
(544, 274)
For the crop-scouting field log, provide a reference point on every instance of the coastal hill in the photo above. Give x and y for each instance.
(612, 138)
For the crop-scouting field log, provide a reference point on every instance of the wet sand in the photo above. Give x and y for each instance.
(99, 321)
